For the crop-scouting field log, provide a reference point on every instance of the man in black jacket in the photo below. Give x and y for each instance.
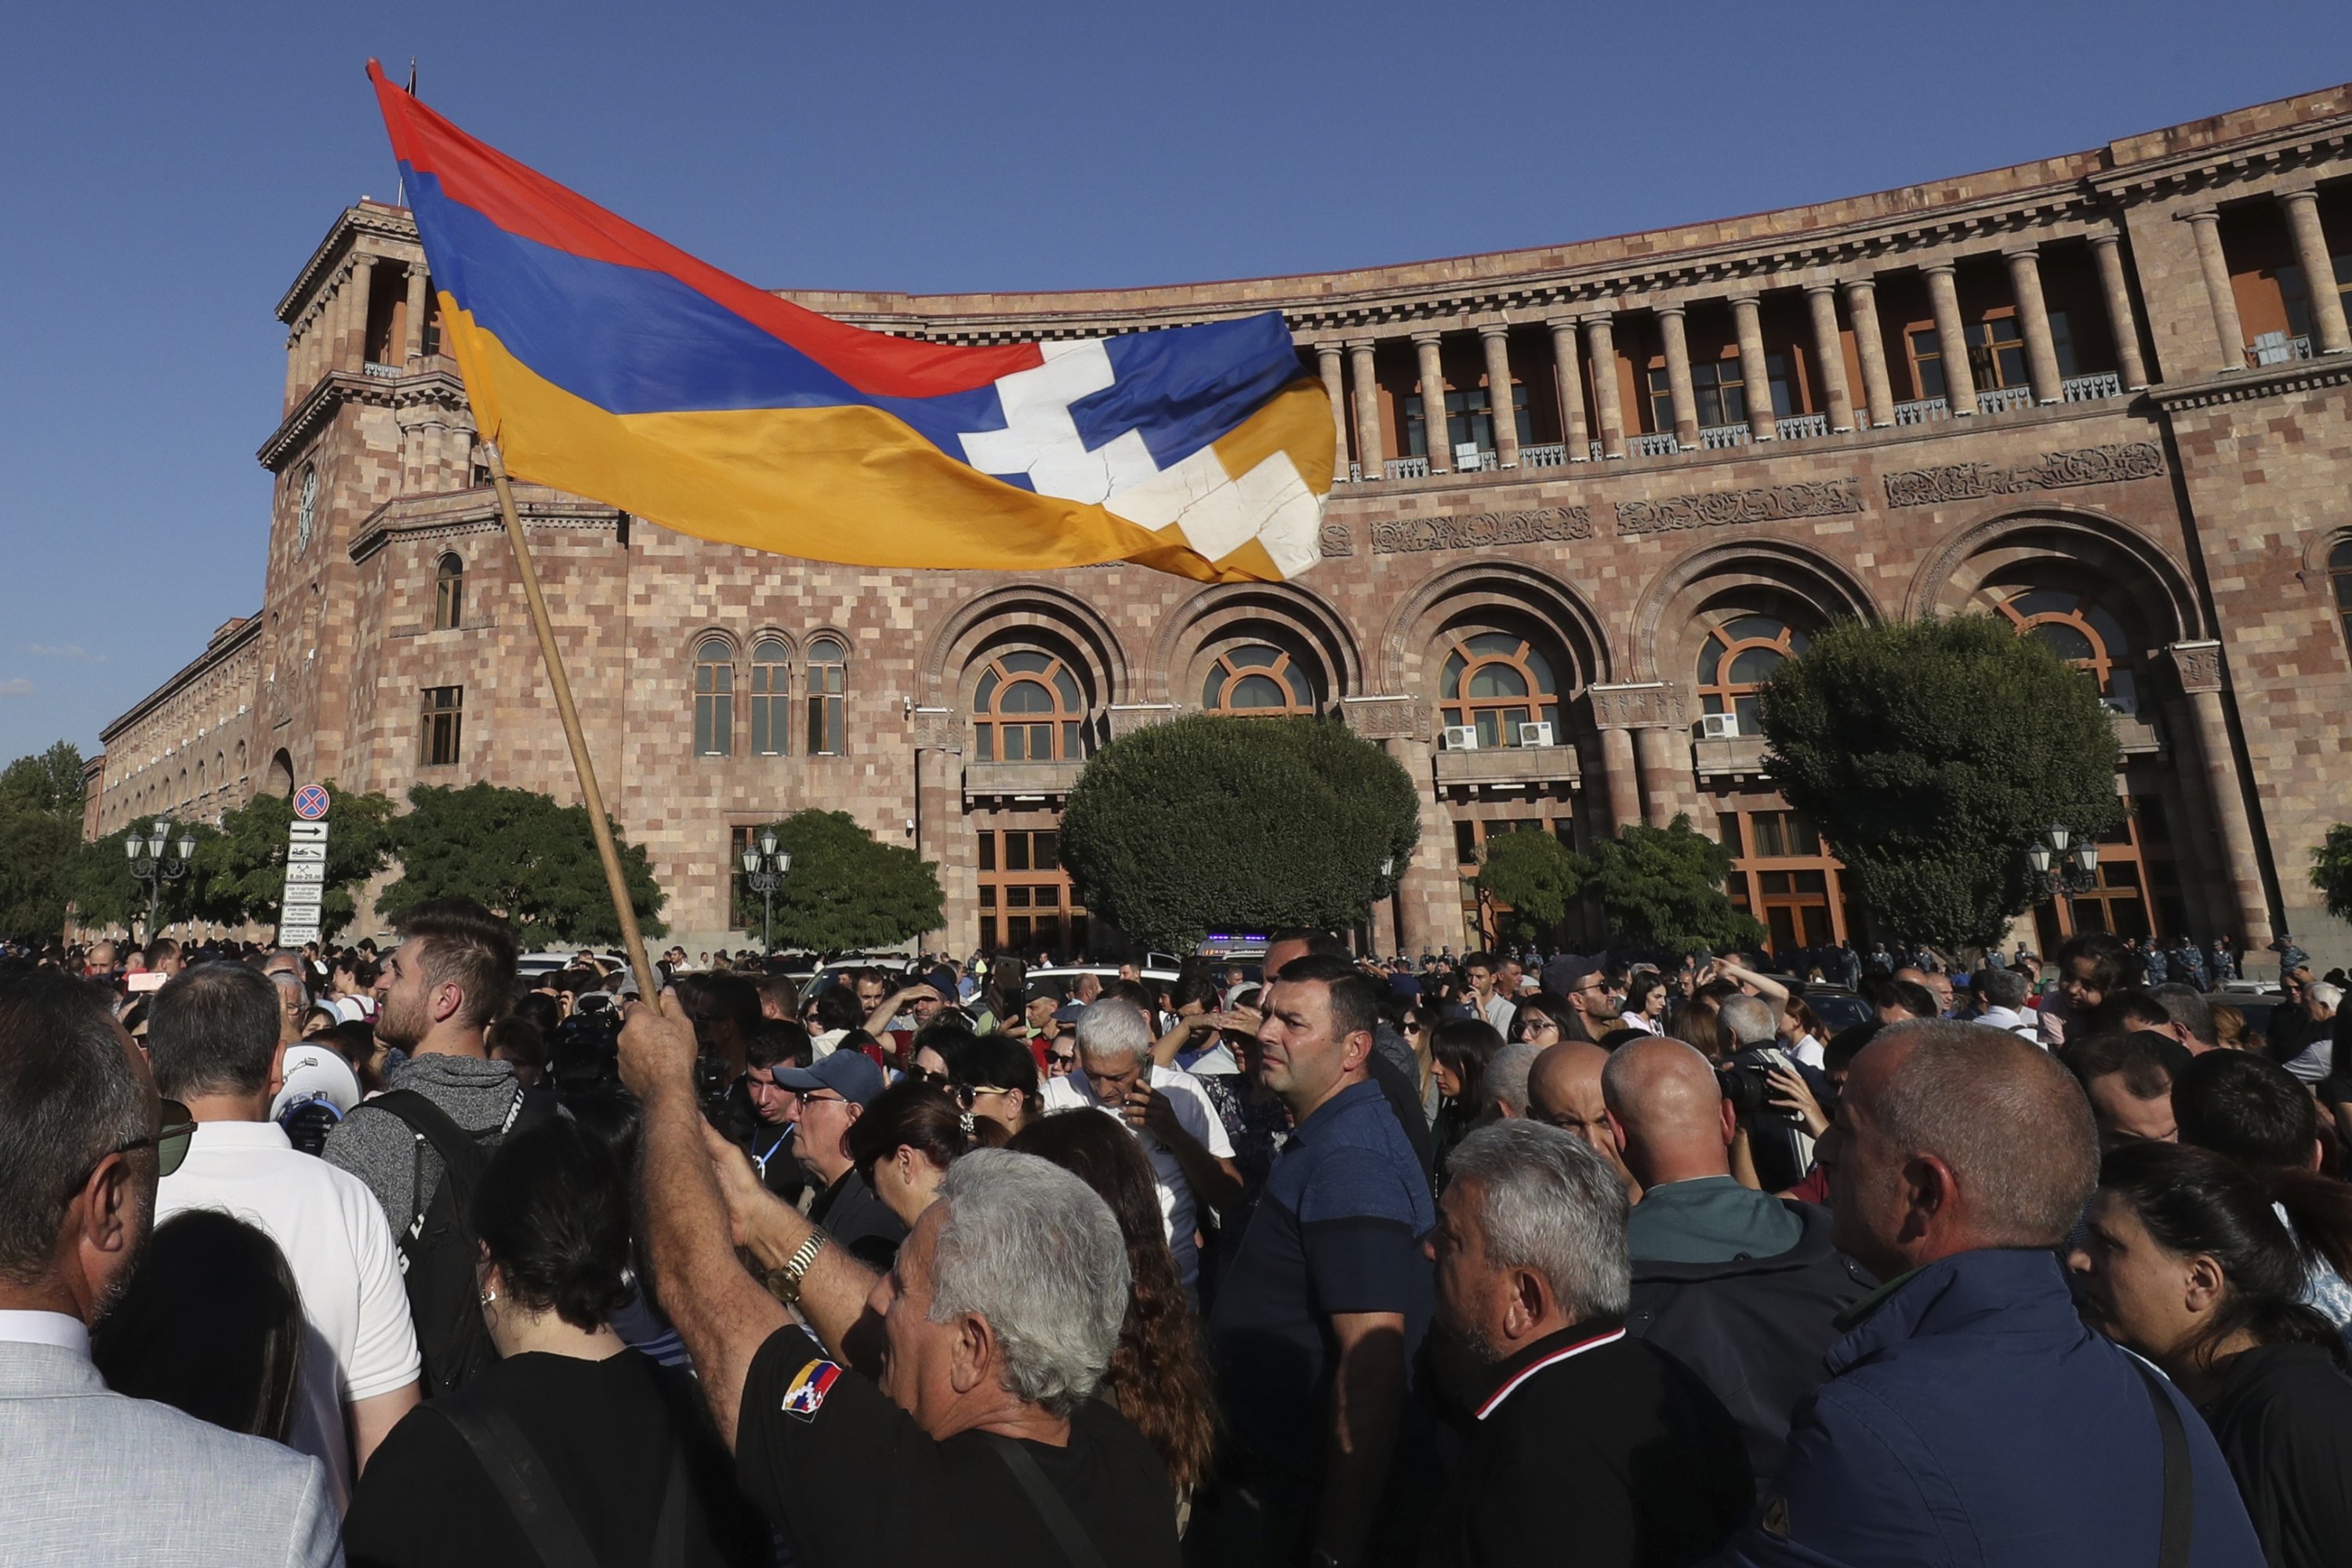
(1581, 1444)
(1742, 1287)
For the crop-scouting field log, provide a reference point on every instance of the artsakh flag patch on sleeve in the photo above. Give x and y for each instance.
(805, 1397)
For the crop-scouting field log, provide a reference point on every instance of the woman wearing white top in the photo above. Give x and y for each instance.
(1645, 1004)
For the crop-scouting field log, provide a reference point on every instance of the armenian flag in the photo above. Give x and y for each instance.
(605, 362)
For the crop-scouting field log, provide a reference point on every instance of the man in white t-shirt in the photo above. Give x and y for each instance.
(1192, 1159)
(212, 1037)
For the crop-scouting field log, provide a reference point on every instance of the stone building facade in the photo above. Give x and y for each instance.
(2107, 396)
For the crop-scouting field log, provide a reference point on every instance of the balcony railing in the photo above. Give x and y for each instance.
(1596, 452)
(381, 372)
(1479, 462)
(1355, 473)
(2090, 388)
(1653, 446)
(1800, 427)
(2004, 399)
(1715, 436)
(1407, 467)
(1921, 410)
(2276, 348)
(1552, 456)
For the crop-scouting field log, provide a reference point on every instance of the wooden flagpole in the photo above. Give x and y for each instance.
(632, 939)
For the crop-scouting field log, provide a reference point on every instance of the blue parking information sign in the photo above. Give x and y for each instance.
(306, 868)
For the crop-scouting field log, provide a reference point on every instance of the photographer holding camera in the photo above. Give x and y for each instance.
(1780, 1142)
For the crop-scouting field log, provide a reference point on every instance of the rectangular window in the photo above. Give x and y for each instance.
(1927, 361)
(1784, 393)
(825, 710)
(2061, 343)
(1997, 353)
(1466, 843)
(987, 850)
(771, 713)
(441, 731)
(1016, 852)
(1726, 833)
(1662, 400)
(1717, 394)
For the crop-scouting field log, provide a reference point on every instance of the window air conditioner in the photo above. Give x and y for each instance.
(1461, 737)
(1719, 726)
(1534, 735)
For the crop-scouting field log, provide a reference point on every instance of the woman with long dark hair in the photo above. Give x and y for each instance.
(629, 1458)
(1459, 1052)
(907, 1138)
(1160, 1372)
(211, 1323)
(2185, 1260)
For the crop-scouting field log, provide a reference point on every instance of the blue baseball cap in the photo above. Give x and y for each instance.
(850, 1074)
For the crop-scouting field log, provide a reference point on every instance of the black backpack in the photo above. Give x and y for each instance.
(439, 1252)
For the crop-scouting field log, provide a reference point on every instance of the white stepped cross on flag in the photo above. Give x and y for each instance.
(1040, 441)
(1217, 511)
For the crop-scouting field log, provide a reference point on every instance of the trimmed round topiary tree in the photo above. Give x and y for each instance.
(1208, 822)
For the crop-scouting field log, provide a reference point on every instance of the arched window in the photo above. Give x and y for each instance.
(2084, 633)
(1740, 655)
(1496, 681)
(449, 593)
(1028, 708)
(1258, 679)
(828, 663)
(714, 698)
(771, 713)
(2339, 577)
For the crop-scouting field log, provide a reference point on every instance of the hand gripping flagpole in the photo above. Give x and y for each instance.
(618, 884)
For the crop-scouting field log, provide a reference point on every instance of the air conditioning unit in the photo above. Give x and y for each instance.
(1461, 737)
(1536, 735)
(1719, 726)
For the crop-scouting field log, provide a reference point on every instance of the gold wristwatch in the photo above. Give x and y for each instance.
(785, 1284)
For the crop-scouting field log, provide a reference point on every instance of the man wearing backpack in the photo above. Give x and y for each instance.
(421, 1146)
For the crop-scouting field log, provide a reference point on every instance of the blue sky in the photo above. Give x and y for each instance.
(170, 166)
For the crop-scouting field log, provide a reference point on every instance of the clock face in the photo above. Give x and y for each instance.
(307, 515)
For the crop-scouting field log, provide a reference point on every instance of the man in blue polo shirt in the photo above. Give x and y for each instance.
(1316, 1324)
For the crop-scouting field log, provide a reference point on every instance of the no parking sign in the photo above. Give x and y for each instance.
(306, 868)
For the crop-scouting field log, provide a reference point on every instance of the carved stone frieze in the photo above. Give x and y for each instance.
(2052, 471)
(937, 729)
(1338, 540)
(1480, 530)
(1646, 705)
(1387, 718)
(2197, 665)
(1721, 509)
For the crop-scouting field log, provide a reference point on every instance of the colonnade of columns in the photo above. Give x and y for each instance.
(2300, 207)
(1587, 338)
(334, 335)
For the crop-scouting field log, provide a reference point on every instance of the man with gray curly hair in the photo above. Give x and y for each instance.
(944, 1410)
(1567, 1423)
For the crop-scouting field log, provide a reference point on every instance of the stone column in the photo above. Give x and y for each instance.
(1752, 374)
(1870, 347)
(1429, 888)
(2033, 318)
(1951, 340)
(1326, 360)
(1661, 787)
(939, 817)
(2318, 271)
(1434, 436)
(1495, 338)
(1678, 381)
(2229, 336)
(1625, 788)
(1829, 351)
(1368, 449)
(1570, 374)
(352, 350)
(2198, 666)
(1600, 342)
(295, 350)
(2107, 251)
(420, 300)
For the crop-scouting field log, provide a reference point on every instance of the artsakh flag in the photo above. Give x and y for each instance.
(607, 362)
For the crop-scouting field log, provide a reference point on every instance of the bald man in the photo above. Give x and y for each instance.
(1959, 1160)
(1742, 1287)
(1935, 983)
(1564, 1090)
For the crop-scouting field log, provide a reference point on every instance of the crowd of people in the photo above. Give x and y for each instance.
(406, 1258)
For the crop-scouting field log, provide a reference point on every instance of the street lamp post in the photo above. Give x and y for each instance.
(2070, 865)
(153, 866)
(765, 867)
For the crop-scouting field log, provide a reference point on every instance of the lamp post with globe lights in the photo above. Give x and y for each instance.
(151, 863)
(764, 868)
(2069, 864)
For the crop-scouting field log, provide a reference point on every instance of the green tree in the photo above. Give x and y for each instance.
(2331, 870)
(1663, 888)
(1536, 876)
(40, 841)
(106, 895)
(524, 857)
(1931, 753)
(240, 871)
(847, 889)
(1256, 822)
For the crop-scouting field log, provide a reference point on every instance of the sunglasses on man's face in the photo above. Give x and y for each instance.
(1062, 1059)
(170, 1139)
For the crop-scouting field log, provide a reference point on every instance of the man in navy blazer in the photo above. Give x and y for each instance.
(89, 1477)
(1970, 1417)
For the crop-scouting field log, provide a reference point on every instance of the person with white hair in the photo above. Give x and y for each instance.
(1580, 1440)
(1166, 1108)
(944, 1410)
